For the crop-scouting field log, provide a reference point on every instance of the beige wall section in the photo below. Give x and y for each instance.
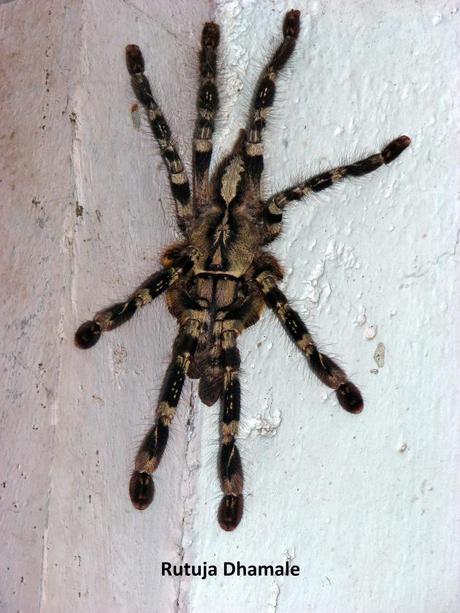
(85, 214)
(37, 188)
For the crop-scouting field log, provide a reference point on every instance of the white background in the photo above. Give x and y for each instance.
(366, 505)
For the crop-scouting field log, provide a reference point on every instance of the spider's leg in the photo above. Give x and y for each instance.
(207, 105)
(178, 180)
(230, 469)
(238, 318)
(324, 367)
(273, 208)
(141, 488)
(264, 96)
(113, 316)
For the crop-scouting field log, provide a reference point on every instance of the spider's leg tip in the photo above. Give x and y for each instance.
(141, 490)
(395, 148)
(211, 35)
(291, 25)
(134, 59)
(406, 140)
(88, 334)
(350, 397)
(230, 512)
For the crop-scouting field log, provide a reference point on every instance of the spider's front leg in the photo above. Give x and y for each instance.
(273, 209)
(113, 316)
(264, 97)
(207, 105)
(324, 367)
(141, 488)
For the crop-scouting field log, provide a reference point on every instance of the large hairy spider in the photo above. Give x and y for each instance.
(219, 277)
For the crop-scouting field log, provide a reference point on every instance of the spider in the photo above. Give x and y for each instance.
(219, 277)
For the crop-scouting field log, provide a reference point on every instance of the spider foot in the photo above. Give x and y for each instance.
(291, 25)
(230, 512)
(210, 35)
(88, 334)
(141, 490)
(350, 397)
(393, 149)
(134, 59)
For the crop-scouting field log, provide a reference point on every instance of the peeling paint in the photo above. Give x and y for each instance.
(371, 332)
(265, 425)
(379, 355)
(351, 256)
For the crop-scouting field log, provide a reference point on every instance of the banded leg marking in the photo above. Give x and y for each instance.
(113, 316)
(273, 209)
(264, 96)
(178, 180)
(323, 367)
(141, 487)
(207, 105)
(230, 468)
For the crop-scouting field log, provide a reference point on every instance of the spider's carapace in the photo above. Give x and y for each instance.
(219, 278)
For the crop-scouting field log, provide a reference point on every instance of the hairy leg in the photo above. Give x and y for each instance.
(230, 468)
(178, 181)
(207, 105)
(113, 316)
(273, 208)
(324, 367)
(141, 488)
(263, 99)
(239, 317)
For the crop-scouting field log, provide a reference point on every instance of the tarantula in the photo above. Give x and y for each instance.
(219, 277)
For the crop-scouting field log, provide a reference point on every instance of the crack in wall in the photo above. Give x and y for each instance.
(429, 264)
(68, 270)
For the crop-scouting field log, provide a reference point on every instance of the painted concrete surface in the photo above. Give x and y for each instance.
(87, 213)
(366, 505)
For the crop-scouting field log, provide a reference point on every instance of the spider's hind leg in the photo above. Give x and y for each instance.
(207, 105)
(141, 488)
(230, 468)
(239, 317)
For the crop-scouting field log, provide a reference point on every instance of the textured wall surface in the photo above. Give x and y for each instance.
(85, 215)
(366, 505)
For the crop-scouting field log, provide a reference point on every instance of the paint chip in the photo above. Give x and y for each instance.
(379, 355)
(371, 332)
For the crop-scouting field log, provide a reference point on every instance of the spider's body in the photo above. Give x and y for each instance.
(219, 278)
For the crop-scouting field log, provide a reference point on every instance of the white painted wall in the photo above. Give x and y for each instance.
(366, 505)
